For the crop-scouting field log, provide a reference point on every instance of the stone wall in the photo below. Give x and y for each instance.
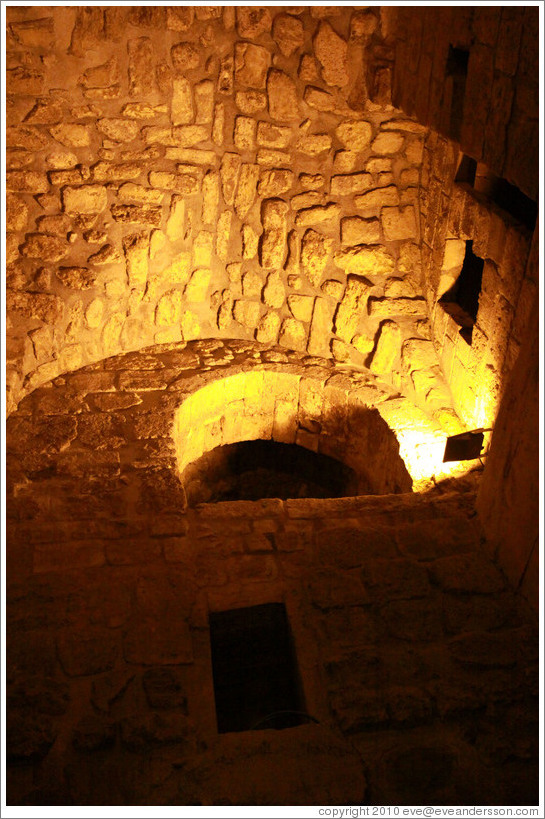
(494, 115)
(179, 173)
(418, 667)
(452, 214)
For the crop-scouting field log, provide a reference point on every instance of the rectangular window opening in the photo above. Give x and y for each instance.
(456, 70)
(256, 680)
(461, 302)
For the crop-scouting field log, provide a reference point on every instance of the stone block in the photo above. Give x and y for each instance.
(358, 231)
(385, 308)
(283, 102)
(84, 199)
(288, 33)
(251, 65)
(352, 307)
(246, 189)
(141, 67)
(165, 688)
(354, 135)
(398, 223)
(395, 579)
(273, 240)
(293, 335)
(331, 50)
(154, 642)
(250, 102)
(468, 573)
(315, 253)
(87, 652)
(348, 184)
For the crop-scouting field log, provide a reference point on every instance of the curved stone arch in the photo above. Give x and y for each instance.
(391, 444)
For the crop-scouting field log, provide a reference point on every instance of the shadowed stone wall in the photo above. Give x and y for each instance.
(416, 659)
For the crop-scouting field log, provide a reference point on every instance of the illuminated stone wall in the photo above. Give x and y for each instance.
(179, 173)
(417, 663)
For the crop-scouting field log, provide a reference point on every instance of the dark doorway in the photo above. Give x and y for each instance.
(256, 682)
(461, 302)
(252, 470)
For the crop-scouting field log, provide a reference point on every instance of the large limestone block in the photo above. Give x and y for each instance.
(275, 182)
(40, 306)
(182, 110)
(352, 307)
(301, 307)
(80, 278)
(141, 68)
(119, 130)
(293, 335)
(202, 249)
(315, 252)
(185, 56)
(313, 144)
(274, 292)
(317, 214)
(253, 21)
(250, 241)
(169, 309)
(418, 354)
(282, 96)
(204, 102)
(210, 197)
(358, 231)
(45, 247)
(318, 99)
(321, 327)
(375, 199)
(331, 50)
(29, 139)
(223, 233)
(347, 184)
(387, 142)
(273, 240)
(71, 134)
(101, 76)
(244, 133)
(229, 171)
(138, 193)
(251, 65)
(16, 212)
(246, 189)
(387, 349)
(398, 223)
(136, 247)
(27, 181)
(138, 214)
(267, 330)
(176, 219)
(366, 260)
(384, 308)
(288, 33)
(246, 313)
(355, 135)
(84, 199)
(273, 136)
(197, 287)
(250, 102)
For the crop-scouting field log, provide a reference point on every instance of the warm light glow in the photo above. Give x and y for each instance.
(263, 404)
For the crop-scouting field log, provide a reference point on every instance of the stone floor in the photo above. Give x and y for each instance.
(419, 666)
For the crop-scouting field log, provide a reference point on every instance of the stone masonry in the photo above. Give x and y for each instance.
(416, 660)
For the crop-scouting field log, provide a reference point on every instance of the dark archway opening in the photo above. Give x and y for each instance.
(251, 470)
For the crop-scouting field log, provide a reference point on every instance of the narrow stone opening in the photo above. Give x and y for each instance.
(457, 73)
(256, 681)
(498, 190)
(461, 302)
(251, 470)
